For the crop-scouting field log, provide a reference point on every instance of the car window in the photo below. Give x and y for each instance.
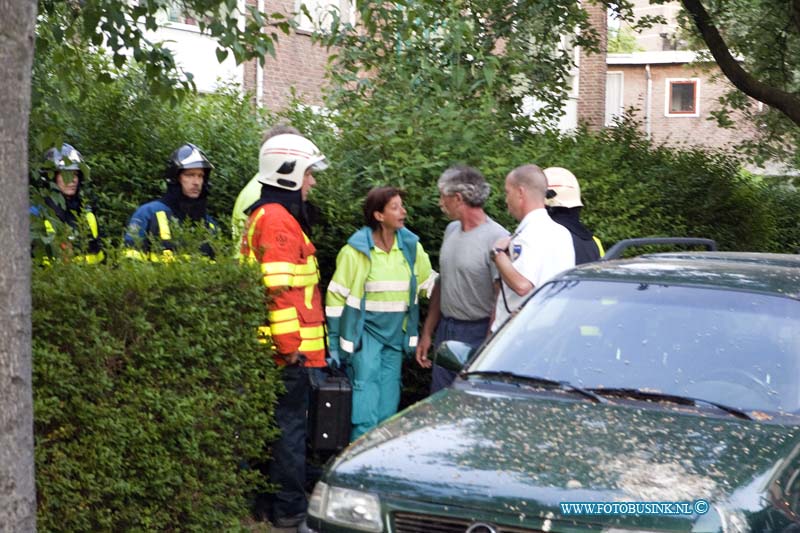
(733, 347)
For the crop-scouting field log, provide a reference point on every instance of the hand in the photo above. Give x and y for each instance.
(503, 243)
(423, 347)
(291, 358)
(333, 360)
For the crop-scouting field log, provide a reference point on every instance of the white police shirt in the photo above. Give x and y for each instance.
(539, 249)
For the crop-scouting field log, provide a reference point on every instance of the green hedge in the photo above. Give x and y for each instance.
(151, 395)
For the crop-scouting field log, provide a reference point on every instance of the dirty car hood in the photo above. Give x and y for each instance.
(525, 453)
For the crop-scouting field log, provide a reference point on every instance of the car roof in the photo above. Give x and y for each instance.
(777, 274)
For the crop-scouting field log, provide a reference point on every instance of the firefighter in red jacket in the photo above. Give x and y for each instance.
(276, 235)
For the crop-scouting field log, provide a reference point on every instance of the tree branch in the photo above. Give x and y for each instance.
(785, 102)
(795, 14)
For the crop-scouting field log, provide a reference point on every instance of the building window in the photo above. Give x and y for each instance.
(320, 12)
(682, 97)
(615, 81)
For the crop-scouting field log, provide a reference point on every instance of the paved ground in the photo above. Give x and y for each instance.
(266, 527)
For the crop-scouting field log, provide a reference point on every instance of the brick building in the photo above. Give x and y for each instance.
(300, 64)
(672, 95)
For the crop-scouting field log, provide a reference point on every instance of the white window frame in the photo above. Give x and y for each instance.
(347, 13)
(609, 120)
(668, 97)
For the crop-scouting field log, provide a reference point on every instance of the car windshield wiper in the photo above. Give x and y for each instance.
(664, 397)
(507, 375)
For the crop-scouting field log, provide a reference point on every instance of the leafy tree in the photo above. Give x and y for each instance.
(622, 41)
(65, 28)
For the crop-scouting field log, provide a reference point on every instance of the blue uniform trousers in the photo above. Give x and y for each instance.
(374, 372)
(473, 332)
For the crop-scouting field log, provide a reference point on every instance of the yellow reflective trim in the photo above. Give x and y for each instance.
(135, 254)
(163, 225)
(312, 345)
(278, 267)
(305, 238)
(92, 221)
(305, 281)
(309, 268)
(308, 296)
(277, 280)
(312, 332)
(265, 335)
(282, 328)
(90, 259)
(48, 227)
(251, 228)
(599, 245)
(280, 315)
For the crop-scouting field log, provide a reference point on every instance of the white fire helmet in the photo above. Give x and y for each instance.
(285, 158)
(565, 186)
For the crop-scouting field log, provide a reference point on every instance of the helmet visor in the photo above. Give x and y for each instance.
(319, 165)
(190, 157)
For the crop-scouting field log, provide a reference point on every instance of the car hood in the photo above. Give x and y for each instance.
(524, 453)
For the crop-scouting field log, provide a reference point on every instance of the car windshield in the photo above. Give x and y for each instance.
(735, 348)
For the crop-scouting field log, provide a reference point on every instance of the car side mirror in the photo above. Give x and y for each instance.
(452, 355)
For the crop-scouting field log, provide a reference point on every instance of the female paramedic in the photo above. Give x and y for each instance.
(372, 306)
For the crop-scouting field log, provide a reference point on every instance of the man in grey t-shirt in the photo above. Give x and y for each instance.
(462, 302)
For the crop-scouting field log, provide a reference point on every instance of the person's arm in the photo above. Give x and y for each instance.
(336, 301)
(431, 321)
(277, 247)
(512, 278)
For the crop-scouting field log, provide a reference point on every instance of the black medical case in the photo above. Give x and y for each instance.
(331, 401)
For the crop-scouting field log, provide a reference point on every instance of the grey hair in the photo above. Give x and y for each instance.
(466, 181)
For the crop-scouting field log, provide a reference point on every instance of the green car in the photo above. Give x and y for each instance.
(659, 393)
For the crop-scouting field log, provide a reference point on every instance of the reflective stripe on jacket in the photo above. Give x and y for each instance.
(153, 220)
(94, 255)
(350, 298)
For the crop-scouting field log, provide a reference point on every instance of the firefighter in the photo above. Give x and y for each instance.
(276, 236)
(149, 233)
(564, 206)
(65, 167)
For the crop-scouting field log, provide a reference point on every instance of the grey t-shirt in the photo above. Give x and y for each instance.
(466, 272)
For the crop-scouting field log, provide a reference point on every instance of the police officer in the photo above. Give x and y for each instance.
(564, 206)
(149, 233)
(65, 167)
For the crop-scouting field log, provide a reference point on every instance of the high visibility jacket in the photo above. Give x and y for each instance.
(153, 220)
(295, 315)
(247, 197)
(351, 300)
(93, 253)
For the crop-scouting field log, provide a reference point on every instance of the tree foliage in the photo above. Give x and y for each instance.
(488, 53)
(66, 28)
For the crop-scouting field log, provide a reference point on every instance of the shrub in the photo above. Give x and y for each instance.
(151, 395)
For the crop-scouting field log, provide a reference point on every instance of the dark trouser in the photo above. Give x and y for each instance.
(472, 332)
(287, 468)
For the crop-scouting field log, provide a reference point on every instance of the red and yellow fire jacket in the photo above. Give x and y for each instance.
(295, 313)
